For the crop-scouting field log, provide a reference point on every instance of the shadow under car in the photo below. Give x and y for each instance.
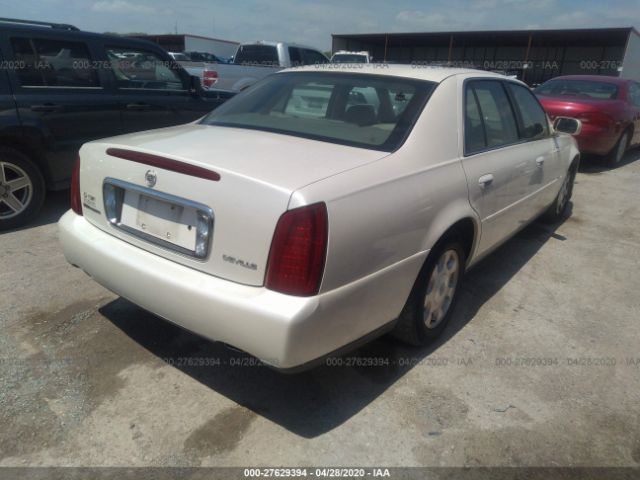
(316, 401)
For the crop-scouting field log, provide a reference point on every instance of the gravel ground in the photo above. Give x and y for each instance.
(540, 365)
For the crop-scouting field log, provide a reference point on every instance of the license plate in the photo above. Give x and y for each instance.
(166, 221)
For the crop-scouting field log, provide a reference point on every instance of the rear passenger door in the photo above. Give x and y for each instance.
(152, 90)
(61, 93)
(7, 105)
(494, 161)
(543, 168)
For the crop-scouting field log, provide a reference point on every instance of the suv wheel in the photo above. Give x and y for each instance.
(22, 189)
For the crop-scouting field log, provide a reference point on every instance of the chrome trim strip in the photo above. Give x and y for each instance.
(166, 197)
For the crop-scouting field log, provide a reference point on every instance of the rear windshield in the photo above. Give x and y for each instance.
(257, 55)
(579, 88)
(369, 111)
(348, 58)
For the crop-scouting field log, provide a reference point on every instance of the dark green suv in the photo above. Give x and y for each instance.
(60, 87)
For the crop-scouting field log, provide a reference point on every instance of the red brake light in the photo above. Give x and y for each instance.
(76, 200)
(165, 163)
(298, 250)
(209, 78)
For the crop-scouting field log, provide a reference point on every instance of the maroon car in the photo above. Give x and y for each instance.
(609, 108)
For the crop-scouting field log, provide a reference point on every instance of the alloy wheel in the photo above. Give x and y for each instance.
(16, 190)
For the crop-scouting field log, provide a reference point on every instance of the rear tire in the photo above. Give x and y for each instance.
(559, 208)
(617, 154)
(22, 189)
(434, 295)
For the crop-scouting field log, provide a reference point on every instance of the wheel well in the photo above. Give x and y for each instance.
(630, 127)
(575, 162)
(463, 230)
(630, 130)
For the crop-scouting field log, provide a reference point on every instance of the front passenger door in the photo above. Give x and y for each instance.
(543, 167)
(153, 92)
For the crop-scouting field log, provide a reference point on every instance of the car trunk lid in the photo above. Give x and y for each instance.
(243, 179)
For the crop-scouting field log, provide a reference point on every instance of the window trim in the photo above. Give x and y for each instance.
(520, 140)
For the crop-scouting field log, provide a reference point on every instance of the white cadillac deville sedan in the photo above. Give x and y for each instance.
(321, 207)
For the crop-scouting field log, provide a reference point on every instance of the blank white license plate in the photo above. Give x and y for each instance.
(166, 221)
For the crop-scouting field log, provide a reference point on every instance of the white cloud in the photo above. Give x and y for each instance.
(418, 18)
(530, 4)
(483, 4)
(121, 6)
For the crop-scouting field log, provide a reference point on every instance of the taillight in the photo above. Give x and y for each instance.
(209, 78)
(298, 250)
(597, 119)
(76, 200)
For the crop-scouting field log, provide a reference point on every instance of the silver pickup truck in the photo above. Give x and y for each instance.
(205, 71)
(254, 61)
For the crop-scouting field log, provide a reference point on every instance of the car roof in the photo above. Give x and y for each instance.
(419, 72)
(72, 34)
(594, 78)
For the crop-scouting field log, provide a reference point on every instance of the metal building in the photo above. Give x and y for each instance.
(533, 55)
(193, 43)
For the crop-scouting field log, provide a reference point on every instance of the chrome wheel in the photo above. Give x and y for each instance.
(441, 288)
(16, 190)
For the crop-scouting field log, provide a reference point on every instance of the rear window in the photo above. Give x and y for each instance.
(369, 111)
(348, 58)
(257, 55)
(579, 88)
(53, 63)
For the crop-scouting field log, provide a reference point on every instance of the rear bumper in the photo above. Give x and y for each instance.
(281, 330)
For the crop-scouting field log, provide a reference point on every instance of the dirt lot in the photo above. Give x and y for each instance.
(540, 366)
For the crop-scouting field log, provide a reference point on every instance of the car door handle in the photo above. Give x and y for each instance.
(46, 107)
(138, 106)
(485, 180)
(540, 161)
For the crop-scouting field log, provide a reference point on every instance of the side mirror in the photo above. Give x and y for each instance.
(195, 85)
(569, 125)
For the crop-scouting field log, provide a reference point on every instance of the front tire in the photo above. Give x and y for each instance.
(560, 206)
(434, 295)
(22, 189)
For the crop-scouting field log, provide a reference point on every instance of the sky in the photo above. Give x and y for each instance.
(313, 22)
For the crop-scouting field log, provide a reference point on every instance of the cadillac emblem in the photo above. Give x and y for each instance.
(151, 178)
